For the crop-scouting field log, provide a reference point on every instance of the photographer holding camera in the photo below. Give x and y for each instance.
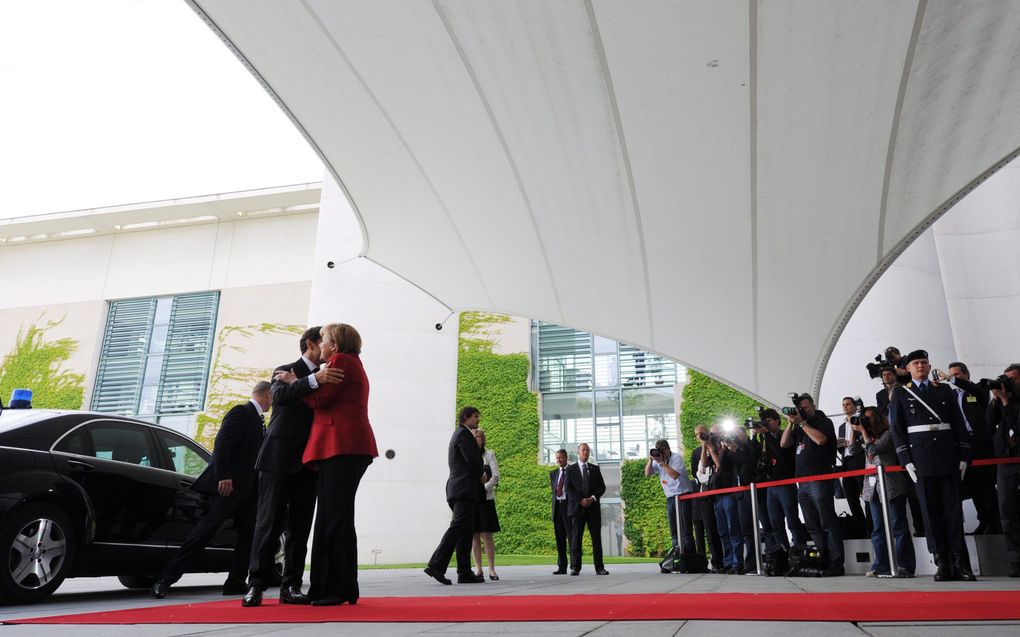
(715, 454)
(673, 476)
(704, 507)
(813, 437)
(979, 481)
(1004, 418)
(781, 501)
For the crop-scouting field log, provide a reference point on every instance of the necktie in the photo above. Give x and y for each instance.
(559, 485)
(922, 390)
(584, 479)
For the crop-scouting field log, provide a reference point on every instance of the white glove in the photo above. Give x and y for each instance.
(963, 468)
(912, 470)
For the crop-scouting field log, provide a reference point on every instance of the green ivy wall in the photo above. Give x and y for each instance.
(36, 362)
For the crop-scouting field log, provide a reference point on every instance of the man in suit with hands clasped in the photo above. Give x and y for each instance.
(585, 486)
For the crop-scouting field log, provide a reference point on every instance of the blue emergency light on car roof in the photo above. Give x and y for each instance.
(20, 399)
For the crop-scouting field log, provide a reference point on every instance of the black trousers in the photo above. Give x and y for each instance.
(282, 497)
(942, 511)
(561, 527)
(1009, 507)
(980, 483)
(592, 518)
(335, 545)
(852, 488)
(456, 539)
(684, 535)
(706, 506)
(221, 510)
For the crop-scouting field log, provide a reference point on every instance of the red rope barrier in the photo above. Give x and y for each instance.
(832, 476)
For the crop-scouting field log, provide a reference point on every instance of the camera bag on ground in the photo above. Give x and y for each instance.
(676, 561)
(806, 562)
(775, 561)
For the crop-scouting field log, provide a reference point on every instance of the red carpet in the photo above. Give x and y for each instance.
(861, 606)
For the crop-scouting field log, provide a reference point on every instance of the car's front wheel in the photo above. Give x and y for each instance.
(38, 545)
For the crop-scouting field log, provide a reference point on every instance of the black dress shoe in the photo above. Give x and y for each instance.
(470, 578)
(160, 589)
(961, 569)
(944, 572)
(252, 598)
(979, 530)
(328, 601)
(560, 571)
(601, 571)
(231, 587)
(293, 595)
(436, 575)
(577, 572)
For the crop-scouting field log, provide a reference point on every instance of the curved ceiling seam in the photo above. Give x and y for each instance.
(403, 142)
(506, 151)
(894, 253)
(752, 71)
(625, 155)
(287, 112)
(409, 282)
(908, 63)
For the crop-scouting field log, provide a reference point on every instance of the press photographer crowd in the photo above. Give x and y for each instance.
(930, 422)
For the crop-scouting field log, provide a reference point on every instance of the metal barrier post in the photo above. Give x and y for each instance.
(889, 545)
(757, 534)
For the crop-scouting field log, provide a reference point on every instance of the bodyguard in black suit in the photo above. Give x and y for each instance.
(287, 489)
(462, 491)
(935, 450)
(584, 488)
(231, 477)
(561, 521)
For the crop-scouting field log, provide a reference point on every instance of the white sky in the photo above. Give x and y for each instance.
(110, 102)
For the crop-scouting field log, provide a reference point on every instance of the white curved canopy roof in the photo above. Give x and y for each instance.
(719, 182)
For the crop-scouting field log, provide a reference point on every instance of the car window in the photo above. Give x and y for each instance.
(76, 442)
(122, 442)
(187, 457)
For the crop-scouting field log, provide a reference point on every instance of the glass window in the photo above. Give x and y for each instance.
(187, 457)
(614, 396)
(76, 442)
(155, 355)
(121, 442)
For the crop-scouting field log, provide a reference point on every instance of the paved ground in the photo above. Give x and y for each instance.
(89, 595)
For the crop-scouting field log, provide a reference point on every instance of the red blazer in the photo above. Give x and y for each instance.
(340, 425)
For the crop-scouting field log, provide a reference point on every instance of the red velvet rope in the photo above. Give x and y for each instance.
(830, 476)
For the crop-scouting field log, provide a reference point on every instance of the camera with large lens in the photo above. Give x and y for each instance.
(655, 453)
(795, 398)
(709, 437)
(875, 369)
(1003, 382)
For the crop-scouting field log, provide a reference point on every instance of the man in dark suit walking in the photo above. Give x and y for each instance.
(231, 477)
(462, 491)
(287, 489)
(584, 488)
(561, 521)
(933, 445)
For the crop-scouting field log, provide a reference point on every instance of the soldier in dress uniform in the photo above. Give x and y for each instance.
(935, 449)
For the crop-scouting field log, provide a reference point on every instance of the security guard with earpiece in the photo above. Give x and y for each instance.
(934, 446)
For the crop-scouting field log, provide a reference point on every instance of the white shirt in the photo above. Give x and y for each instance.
(258, 409)
(582, 467)
(312, 382)
(672, 487)
(562, 475)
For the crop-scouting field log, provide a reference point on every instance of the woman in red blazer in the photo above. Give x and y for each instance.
(340, 446)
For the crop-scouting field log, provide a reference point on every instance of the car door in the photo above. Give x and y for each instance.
(188, 460)
(131, 495)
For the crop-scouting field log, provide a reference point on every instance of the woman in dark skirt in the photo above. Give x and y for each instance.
(486, 520)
